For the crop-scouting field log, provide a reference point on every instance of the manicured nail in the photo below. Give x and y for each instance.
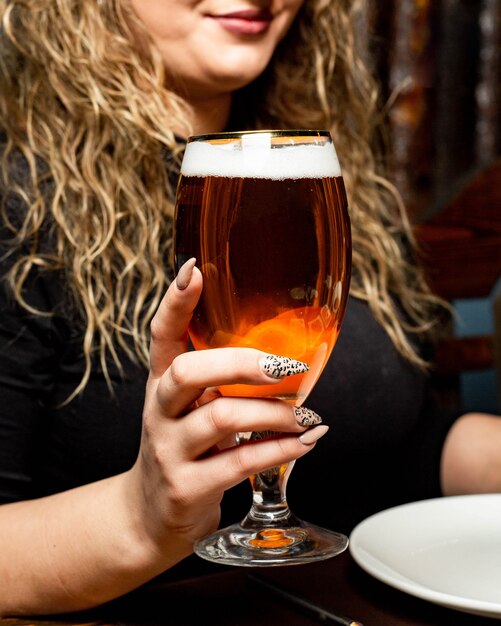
(306, 417)
(183, 277)
(281, 366)
(313, 434)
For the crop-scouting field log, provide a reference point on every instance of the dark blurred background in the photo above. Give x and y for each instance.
(439, 65)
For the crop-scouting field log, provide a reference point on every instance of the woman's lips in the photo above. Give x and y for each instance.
(246, 22)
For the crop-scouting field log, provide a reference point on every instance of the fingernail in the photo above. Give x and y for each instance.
(306, 417)
(313, 434)
(183, 277)
(281, 366)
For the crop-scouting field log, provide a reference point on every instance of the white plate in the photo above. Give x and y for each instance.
(445, 550)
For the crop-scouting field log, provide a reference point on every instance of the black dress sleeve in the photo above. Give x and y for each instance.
(26, 367)
(48, 443)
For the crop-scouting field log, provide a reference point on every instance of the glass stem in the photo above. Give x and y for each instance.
(269, 503)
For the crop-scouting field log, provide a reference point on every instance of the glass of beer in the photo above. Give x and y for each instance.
(265, 215)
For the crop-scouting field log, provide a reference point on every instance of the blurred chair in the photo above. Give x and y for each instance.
(438, 63)
(461, 243)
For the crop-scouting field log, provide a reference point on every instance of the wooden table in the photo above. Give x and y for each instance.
(228, 599)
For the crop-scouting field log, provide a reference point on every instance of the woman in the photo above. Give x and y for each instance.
(108, 424)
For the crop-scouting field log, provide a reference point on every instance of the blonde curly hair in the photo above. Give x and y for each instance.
(92, 115)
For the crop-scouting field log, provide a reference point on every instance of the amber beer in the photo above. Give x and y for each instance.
(270, 231)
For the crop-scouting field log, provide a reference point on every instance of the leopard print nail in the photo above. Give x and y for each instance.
(281, 366)
(306, 417)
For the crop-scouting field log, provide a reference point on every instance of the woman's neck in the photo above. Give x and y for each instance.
(210, 115)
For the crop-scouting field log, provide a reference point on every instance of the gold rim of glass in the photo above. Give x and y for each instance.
(272, 133)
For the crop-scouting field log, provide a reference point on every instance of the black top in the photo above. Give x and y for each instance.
(383, 447)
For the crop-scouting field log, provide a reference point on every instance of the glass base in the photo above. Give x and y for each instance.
(248, 546)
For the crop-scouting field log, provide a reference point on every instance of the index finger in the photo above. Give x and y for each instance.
(169, 326)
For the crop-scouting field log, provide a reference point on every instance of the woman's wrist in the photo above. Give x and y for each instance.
(153, 544)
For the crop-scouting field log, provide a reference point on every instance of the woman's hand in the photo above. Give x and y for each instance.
(85, 546)
(187, 457)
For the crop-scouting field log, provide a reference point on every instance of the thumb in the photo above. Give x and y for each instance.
(169, 326)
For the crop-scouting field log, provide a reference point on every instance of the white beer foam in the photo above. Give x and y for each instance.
(257, 160)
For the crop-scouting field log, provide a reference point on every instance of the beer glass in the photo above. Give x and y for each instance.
(265, 215)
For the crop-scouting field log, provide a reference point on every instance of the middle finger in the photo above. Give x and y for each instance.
(210, 424)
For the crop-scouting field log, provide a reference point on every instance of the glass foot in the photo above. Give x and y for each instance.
(248, 546)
